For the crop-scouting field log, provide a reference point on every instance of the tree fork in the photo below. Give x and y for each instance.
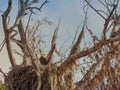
(7, 34)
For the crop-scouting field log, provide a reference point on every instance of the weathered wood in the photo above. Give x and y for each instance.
(7, 34)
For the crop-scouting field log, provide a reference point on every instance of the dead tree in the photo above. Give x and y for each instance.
(39, 72)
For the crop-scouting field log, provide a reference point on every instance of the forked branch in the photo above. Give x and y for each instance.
(74, 57)
(76, 46)
(7, 34)
(53, 44)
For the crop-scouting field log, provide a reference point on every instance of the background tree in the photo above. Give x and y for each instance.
(39, 72)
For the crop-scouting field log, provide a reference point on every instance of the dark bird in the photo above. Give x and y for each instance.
(43, 60)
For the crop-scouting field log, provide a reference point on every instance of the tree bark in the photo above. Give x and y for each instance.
(66, 64)
(7, 34)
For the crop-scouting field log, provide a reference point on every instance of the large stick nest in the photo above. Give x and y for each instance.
(21, 78)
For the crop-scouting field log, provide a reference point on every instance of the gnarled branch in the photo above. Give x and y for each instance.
(7, 34)
(74, 57)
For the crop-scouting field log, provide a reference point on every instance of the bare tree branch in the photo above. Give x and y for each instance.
(94, 37)
(102, 3)
(3, 73)
(28, 23)
(11, 38)
(2, 45)
(53, 46)
(38, 8)
(7, 34)
(107, 22)
(75, 35)
(74, 57)
(76, 46)
(95, 10)
(58, 53)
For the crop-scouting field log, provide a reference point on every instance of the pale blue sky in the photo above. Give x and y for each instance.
(71, 13)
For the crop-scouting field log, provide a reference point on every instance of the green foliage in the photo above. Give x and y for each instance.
(2, 87)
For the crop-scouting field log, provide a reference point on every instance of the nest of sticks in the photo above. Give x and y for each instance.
(21, 78)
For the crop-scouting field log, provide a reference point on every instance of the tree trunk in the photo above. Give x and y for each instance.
(7, 33)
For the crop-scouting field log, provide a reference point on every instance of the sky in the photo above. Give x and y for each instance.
(71, 13)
